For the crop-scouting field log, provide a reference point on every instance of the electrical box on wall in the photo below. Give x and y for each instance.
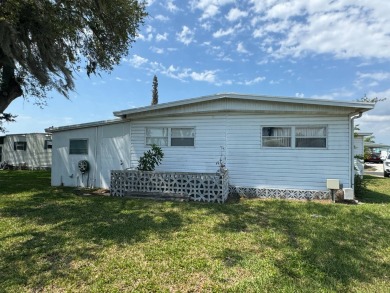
(333, 183)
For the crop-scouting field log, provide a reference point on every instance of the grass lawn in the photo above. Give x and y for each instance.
(53, 240)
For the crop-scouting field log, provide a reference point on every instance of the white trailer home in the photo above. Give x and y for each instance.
(272, 146)
(28, 150)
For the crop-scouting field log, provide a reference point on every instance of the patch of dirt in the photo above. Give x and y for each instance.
(92, 192)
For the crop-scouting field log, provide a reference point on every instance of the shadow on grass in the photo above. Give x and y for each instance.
(320, 246)
(60, 230)
(372, 195)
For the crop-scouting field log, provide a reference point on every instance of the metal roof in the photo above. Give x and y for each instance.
(376, 145)
(357, 106)
(82, 125)
(360, 106)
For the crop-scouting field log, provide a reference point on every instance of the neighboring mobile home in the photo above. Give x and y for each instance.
(358, 147)
(267, 143)
(28, 150)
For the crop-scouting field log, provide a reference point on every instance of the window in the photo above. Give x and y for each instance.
(157, 136)
(164, 136)
(78, 147)
(310, 137)
(2, 139)
(20, 145)
(48, 144)
(182, 137)
(276, 137)
(294, 136)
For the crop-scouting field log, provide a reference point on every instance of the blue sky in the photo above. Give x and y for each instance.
(337, 50)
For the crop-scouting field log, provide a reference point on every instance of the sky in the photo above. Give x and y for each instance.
(324, 49)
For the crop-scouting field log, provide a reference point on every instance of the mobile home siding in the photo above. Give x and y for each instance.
(35, 155)
(108, 148)
(225, 126)
(252, 165)
(249, 164)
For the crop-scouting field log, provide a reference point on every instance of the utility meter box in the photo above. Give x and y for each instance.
(333, 184)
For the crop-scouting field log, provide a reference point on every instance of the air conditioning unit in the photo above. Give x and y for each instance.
(348, 194)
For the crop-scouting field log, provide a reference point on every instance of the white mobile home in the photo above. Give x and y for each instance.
(30, 150)
(271, 143)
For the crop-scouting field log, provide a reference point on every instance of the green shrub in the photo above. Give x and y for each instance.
(150, 159)
(360, 185)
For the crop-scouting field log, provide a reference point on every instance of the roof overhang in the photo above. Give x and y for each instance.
(356, 107)
(82, 125)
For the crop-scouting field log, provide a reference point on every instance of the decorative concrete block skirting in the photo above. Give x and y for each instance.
(251, 192)
(208, 187)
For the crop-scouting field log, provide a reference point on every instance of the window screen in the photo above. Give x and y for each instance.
(78, 147)
(157, 136)
(182, 137)
(276, 137)
(310, 137)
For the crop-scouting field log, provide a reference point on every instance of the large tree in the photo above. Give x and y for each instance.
(42, 42)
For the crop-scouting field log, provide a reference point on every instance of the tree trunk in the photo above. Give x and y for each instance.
(10, 89)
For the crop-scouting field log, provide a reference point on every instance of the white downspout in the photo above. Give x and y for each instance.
(352, 117)
(96, 159)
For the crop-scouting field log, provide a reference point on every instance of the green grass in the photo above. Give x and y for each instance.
(52, 240)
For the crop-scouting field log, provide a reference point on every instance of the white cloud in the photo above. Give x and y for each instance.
(157, 50)
(186, 36)
(161, 17)
(379, 76)
(253, 81)
(369, 80)
(162, 37)
(207, 75)
(171, 6)
(235, 14)
(241, 48)
(222, 33)
(137, 61)
(210, 8)
(343, 28)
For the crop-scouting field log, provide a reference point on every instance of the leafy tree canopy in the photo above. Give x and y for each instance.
(42, 42)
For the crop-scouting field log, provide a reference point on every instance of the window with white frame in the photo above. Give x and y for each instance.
(157, 136)
(310, 137)
(78, 146)
(182, 136)
(170, 136)
(276, 137)
(294, 136)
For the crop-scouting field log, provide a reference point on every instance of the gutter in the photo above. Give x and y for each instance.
(352, 117)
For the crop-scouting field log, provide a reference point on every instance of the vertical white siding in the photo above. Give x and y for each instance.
(65, 166)
(113, 151)
(108, 147)
(358, 145)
